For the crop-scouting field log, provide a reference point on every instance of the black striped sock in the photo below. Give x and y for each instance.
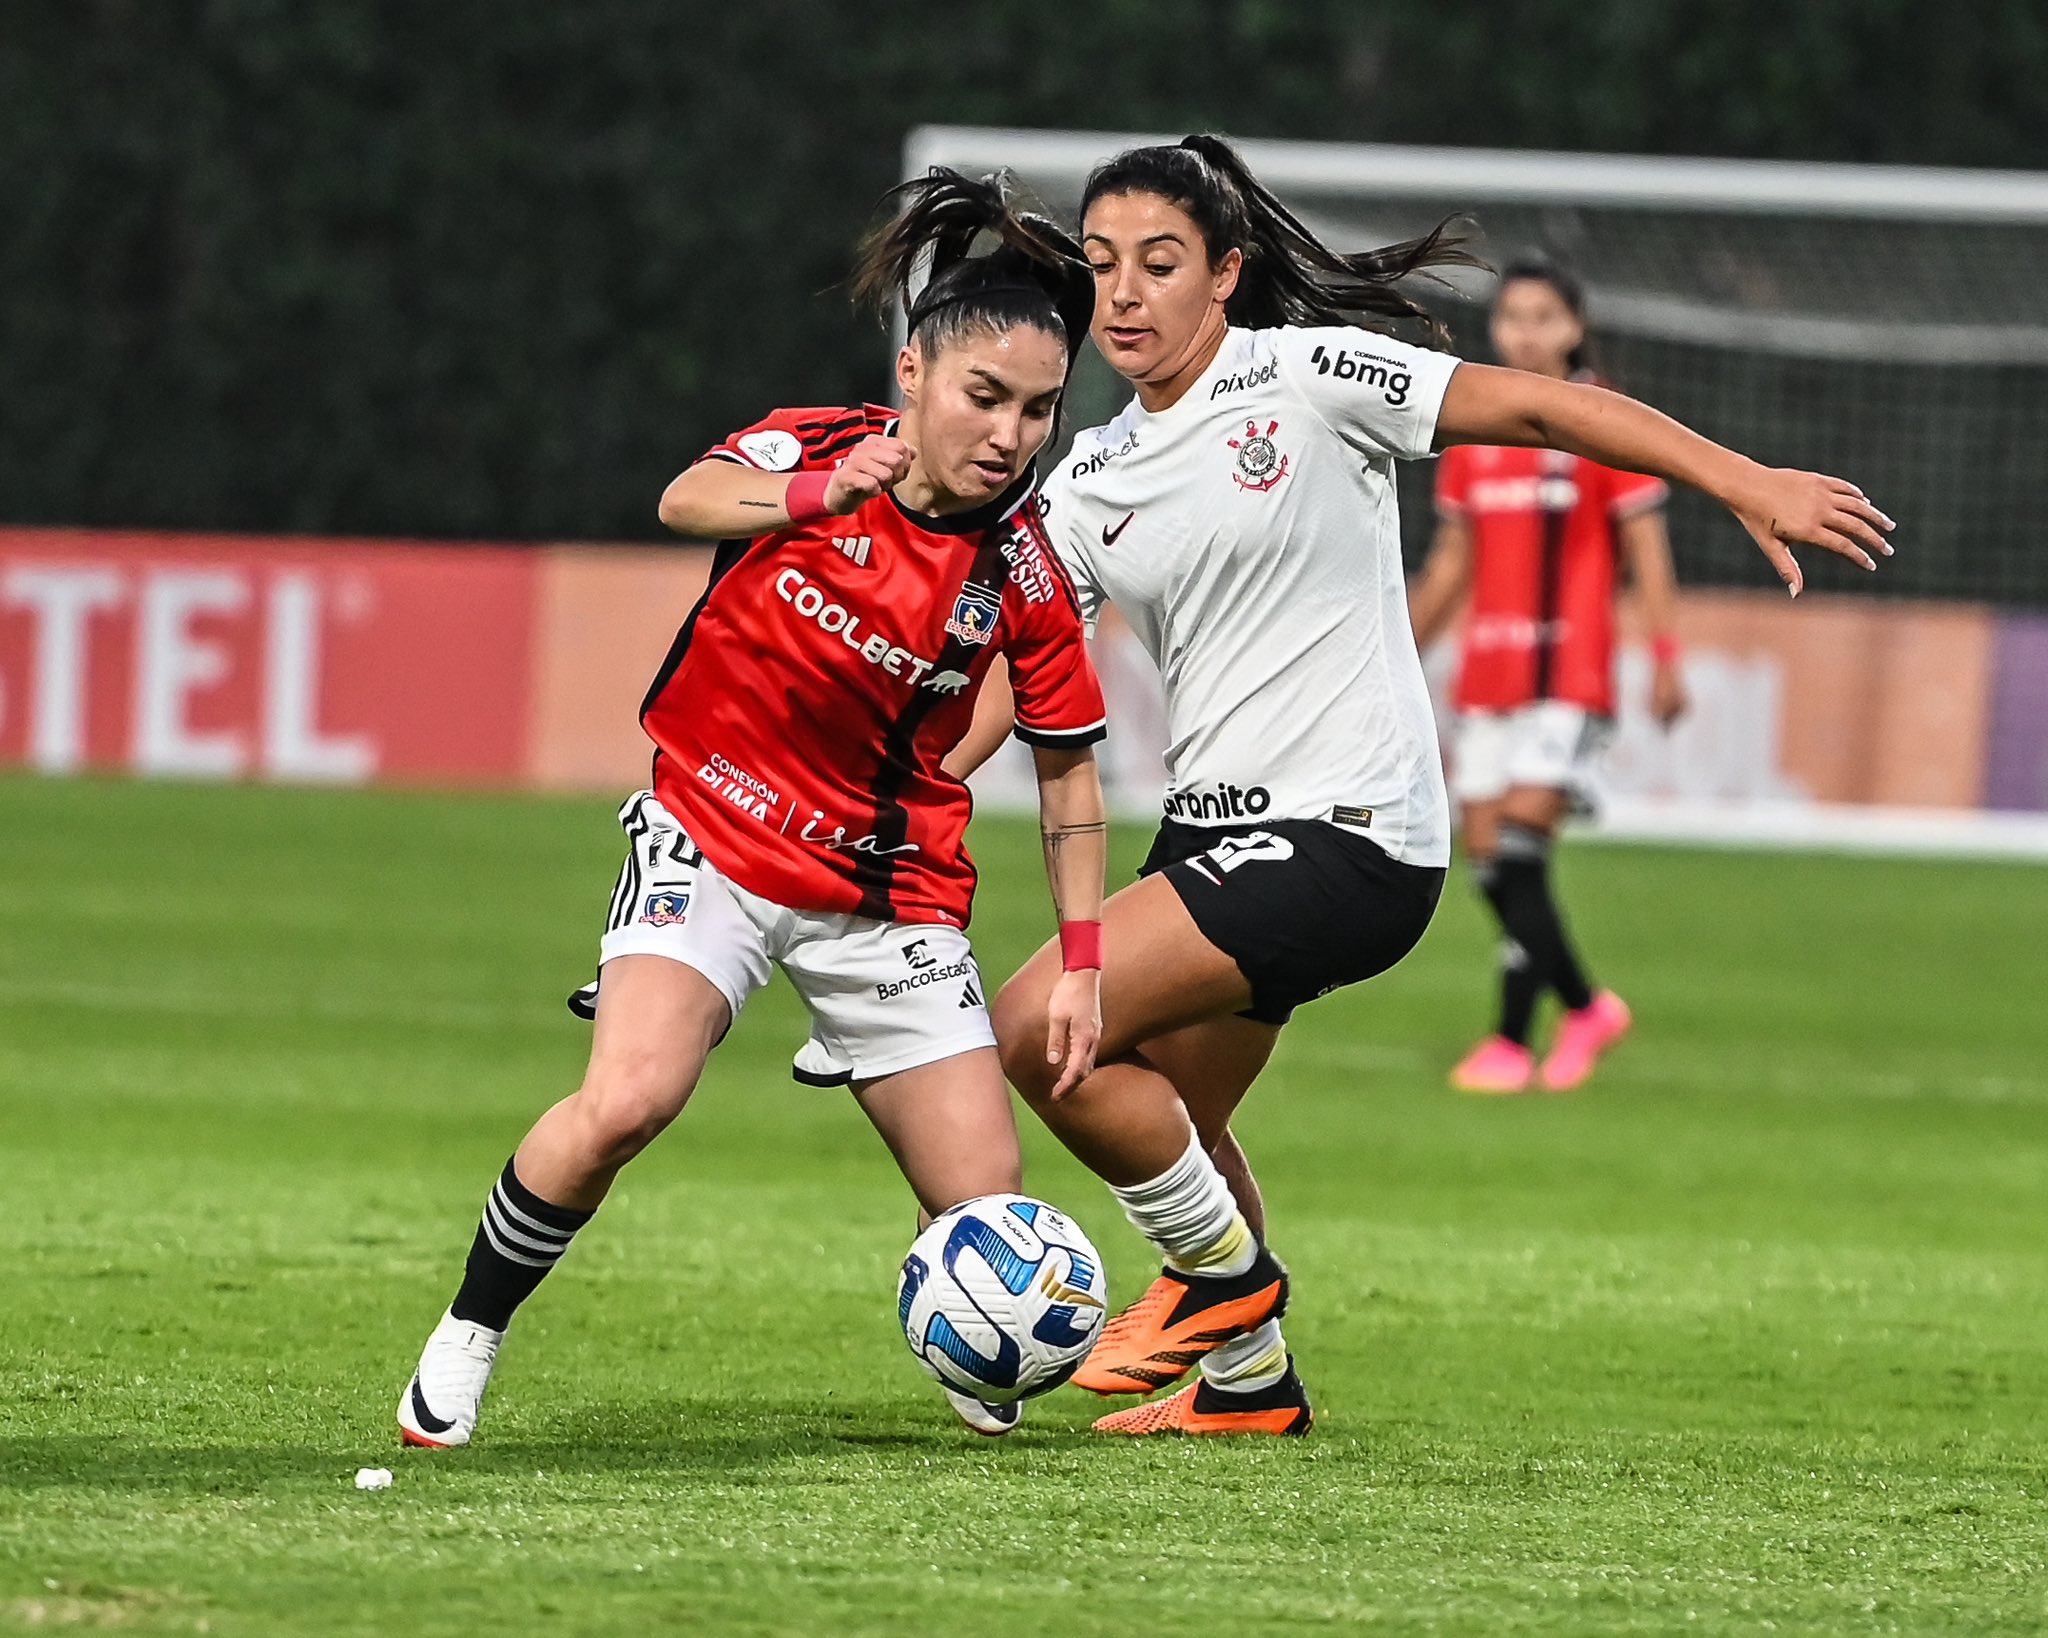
(519, 1239)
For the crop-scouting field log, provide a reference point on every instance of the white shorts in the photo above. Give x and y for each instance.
(884, 996)
(1551, 743)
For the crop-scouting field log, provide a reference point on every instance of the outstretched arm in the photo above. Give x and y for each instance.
(1780, 507)
(1076, 832)
(1434, 598)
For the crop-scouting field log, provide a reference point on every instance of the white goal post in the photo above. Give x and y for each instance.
(1482, 175)
(1053, 163)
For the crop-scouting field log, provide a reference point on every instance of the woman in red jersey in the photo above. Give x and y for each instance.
(870, 568)
(1241, 514)
(1538, 538)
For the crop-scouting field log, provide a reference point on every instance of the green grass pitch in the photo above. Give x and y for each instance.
(1750, 1336)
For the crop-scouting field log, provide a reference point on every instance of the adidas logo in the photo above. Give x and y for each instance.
(856, 547)
(970, 997)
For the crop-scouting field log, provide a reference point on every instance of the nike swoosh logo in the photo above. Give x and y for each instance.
(1109, 535)
(428, 1421)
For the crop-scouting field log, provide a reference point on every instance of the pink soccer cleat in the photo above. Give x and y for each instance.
(1581, 1039)
(1496, 1065)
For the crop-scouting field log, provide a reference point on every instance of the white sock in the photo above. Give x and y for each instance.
(1187, 1212)
(1255, 1360)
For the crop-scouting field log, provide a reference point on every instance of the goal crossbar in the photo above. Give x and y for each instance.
(1483, 175)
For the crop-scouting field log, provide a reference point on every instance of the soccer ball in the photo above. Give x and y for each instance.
(1001, 1298)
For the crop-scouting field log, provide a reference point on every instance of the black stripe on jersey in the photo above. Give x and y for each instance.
(1063, 739)
(867, 422)
(723, 561)
(827, 427)
(839, 445)
(875, 873)
(1549, 588)
(1031, 518)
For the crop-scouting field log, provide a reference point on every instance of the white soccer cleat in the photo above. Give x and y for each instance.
(446, 1394)
(991, 1420)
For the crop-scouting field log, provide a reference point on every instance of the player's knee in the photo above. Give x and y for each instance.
(626, 1101)
(1020, 1022)
(1028, 1071)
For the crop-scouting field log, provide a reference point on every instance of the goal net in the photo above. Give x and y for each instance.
(1888, 325)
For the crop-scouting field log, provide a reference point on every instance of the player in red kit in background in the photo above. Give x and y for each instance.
(870, 569)
(1538, 539)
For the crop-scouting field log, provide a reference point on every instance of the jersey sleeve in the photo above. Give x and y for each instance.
(1057, 518)
(1379, 395)
(1454, 482)
(1631, 492)
(1058, 696)
(794, 440)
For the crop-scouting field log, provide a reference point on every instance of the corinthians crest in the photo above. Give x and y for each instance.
(1260, 465)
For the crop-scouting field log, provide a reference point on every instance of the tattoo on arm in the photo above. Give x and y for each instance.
(766, 506)
(1056, 838)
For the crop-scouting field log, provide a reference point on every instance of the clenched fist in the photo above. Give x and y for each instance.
(875, 465)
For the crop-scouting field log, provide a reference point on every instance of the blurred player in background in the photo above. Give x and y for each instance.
(1538, 538)
(870, 569)
(1241, 514)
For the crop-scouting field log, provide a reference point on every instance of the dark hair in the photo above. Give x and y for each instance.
(1034, 275)
(1570, 288)
(1289, 276)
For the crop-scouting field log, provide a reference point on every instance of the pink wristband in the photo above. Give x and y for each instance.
(1664, 648)
(804, 499)
(1080, 945)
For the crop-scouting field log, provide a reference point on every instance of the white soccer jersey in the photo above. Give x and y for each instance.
(1250, 536)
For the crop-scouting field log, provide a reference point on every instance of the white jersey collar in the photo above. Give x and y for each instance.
(1229, 354)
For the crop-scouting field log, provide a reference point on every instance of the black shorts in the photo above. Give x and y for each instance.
(1302, 906)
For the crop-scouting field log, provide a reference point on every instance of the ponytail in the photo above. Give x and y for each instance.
(1035, 274)
(1289, 277)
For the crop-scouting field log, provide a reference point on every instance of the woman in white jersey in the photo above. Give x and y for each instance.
(1241, 515)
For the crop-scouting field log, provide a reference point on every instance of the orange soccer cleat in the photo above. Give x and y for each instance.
(1179, 1319)
(1204, 1408)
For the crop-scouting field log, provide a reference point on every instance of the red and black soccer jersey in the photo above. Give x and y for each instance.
(801, 715)
(1541, 625)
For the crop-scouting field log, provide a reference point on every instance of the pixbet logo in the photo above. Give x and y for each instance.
(1096, 461)
(1246, 382)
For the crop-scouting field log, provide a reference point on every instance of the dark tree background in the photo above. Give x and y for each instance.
(498, 270)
